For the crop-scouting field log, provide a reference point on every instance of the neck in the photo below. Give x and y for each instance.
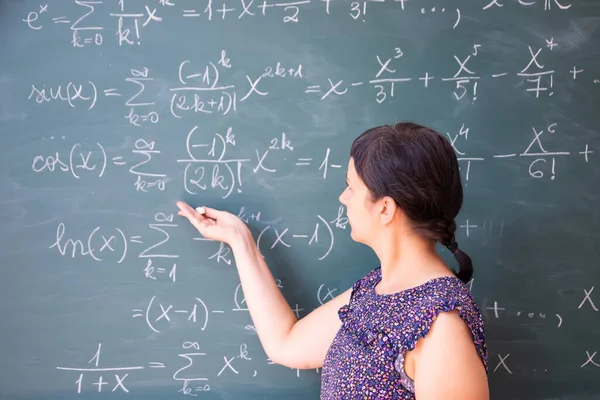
(407, 259)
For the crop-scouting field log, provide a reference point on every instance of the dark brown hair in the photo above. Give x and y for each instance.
(417, 167)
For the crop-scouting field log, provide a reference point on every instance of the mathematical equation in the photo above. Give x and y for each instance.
(544, 161)
(156, 312)
(192, 373)
(200, 88)
(113, 243)
(503, 366)
(541, 79)
(201, 91)
(206, 165)
(189, 370)
(555, 319)
(132, 18)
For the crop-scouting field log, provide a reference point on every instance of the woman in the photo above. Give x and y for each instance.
(408, 329)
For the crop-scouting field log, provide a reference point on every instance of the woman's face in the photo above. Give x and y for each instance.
(358, 204)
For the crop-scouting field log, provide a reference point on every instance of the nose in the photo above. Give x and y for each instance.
(342, 198)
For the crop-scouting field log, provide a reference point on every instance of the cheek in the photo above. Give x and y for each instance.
(354, 210)
(350, 202)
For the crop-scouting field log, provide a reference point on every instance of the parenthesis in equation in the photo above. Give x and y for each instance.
(457, 19)
(232, 102)
(188, 147)
(104, 163)
(172, 106)
(329, 293)
(237, 303)
(95, 95)
(205, 313)
(330, 234)
(258, 240)
(232, 179)
(185, 179)
(216, 74)
(180, 71)
(125, 246)
(560, 321)
(69, 94)
(224, 143)
(148, 313)
(89, 244)
(71, 160)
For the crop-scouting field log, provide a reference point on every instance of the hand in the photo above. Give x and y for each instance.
(214, 224)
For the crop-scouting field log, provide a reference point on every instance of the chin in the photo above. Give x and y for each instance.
(355, 237)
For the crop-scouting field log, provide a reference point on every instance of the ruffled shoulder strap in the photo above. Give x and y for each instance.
(365, 283)
(358, 289)
(449, 294)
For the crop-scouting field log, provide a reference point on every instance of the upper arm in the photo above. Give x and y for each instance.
(309, 339)
(446, 362)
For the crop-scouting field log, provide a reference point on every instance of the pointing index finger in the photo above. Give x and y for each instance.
(185, 209)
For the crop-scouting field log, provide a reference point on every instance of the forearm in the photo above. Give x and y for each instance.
(271, 314)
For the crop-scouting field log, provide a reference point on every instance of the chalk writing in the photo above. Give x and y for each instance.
(137, 104)
(538, 315)
(116, 384)
(166, 312)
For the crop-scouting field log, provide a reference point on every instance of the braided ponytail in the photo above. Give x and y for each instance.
(465, 266)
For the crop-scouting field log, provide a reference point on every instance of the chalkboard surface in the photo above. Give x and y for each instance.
(111, 111)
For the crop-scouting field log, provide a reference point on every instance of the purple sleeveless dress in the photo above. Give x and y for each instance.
(366, 358)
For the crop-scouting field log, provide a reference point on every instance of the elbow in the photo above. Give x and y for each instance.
(288, 360)
(273, 357)
(279, 358)
(276, 355)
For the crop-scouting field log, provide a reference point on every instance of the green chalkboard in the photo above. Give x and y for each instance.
(111, 111)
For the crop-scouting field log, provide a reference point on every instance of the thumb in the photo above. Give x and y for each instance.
(199, 222)
(213, 213)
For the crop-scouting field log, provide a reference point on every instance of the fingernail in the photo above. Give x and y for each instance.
(200, 210)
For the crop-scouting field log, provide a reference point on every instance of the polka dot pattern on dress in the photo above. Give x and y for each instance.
(366, 358)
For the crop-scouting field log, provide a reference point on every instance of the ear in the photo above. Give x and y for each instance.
(388, 209)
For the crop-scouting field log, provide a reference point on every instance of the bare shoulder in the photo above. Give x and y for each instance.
(449, 346)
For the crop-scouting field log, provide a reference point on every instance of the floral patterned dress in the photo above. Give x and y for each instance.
(366, 358)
